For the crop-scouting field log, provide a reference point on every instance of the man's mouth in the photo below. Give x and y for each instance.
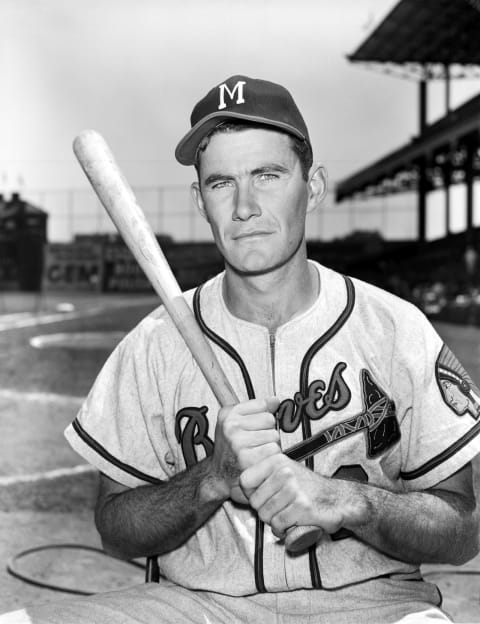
(251, 234)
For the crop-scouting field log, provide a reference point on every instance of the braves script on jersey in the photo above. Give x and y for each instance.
(368, 392)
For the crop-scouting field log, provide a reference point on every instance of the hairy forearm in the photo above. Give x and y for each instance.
(155, 519)
(419, 527)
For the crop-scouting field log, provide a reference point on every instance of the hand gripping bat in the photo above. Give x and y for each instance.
(117, 197)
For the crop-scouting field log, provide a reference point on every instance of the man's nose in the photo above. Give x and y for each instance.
(246, 203)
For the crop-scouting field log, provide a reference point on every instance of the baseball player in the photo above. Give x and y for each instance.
(354, 417)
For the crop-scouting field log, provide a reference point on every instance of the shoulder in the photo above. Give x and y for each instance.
(367, 301)
(372, 300)
(378, 320)
(158, 329)
(396, 322)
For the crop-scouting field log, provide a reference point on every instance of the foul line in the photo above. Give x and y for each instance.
(41, 397)
(48, 318)
(49, 475)
(18, 320)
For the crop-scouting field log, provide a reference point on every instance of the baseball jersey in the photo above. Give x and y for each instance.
(368, 392)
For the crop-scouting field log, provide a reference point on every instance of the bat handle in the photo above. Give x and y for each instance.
(302, 537)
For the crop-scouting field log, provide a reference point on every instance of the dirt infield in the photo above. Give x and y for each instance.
(47, 491)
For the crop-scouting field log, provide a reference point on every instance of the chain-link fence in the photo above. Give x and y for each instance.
(78, 211)
(170, 211)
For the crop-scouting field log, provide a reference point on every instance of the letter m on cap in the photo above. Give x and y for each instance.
(236, 91)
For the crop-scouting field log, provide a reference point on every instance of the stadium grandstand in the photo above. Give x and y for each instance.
(427, 41)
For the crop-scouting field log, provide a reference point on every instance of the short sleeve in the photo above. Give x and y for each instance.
(120, 428)
(441, 407)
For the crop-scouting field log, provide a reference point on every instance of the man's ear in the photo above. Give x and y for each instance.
(197, 199)
(317, 186)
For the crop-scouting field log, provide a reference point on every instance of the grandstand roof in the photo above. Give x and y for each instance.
(459, 124)
(424, 37)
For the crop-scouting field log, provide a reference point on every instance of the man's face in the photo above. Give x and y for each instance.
(254, 197)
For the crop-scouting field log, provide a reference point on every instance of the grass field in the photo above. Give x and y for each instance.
(60, 370)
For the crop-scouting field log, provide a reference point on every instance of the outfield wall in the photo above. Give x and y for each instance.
(105, 266)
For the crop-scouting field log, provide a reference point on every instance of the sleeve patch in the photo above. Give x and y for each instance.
(456, 386)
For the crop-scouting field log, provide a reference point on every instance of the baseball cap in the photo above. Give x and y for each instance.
(247, 99)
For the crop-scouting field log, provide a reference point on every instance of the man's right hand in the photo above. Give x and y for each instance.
(245, 435)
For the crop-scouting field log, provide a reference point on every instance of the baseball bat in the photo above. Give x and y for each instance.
(118, 199)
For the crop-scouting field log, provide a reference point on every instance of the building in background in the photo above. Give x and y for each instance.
(23, 235)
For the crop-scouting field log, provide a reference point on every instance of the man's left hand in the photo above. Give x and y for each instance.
(287, 494)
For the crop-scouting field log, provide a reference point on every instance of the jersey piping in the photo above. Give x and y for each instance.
(110, 458)
(306, 429)
(315, 348)
(441, 457)
(223, 344)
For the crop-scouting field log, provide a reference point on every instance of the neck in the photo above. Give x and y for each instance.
(273, 298)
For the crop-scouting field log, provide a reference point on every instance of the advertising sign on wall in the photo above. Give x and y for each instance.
(73, 266)
(121, 272)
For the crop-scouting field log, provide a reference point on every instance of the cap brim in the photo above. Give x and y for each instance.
(186, 150)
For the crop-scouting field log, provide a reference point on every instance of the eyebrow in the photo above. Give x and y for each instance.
(218, 177)
(268, 168)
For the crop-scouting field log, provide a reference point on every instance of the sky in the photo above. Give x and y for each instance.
(133, 70)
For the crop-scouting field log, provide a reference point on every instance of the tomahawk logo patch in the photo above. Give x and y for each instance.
(378, 420)
(457, 388)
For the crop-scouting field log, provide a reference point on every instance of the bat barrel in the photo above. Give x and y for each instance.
(117, 197)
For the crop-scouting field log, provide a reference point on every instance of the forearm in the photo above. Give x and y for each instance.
(418, 527)
(154, 519)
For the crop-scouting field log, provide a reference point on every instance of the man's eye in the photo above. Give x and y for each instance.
(267, 177)
(221, 185)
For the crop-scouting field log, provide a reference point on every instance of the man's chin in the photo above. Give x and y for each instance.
(254, 269)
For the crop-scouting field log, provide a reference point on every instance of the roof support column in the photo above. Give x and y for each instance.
(422, 105)
(447, 89)
(446, 176)
(422, 200)
(469, 178)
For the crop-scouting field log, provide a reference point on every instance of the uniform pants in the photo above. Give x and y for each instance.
(379, 601)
